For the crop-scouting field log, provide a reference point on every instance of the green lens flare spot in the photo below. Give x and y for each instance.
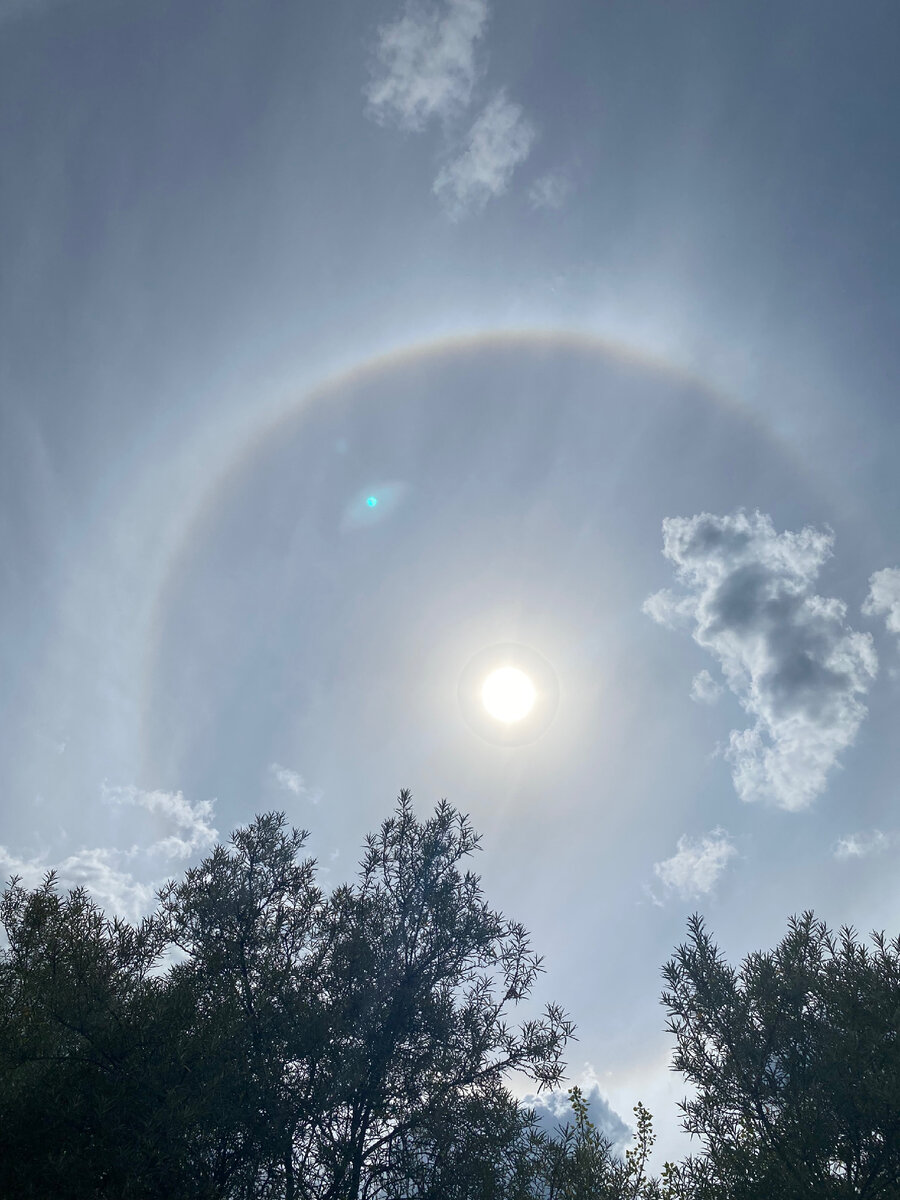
(371, 501)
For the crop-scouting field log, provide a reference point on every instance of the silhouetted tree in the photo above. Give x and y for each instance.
(259, 1039)
(796, 1061)
(302, 1045)
(82, 1107)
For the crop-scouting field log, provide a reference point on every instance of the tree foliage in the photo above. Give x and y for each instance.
(796, 1062)
(258, 1037)
(303, 1045)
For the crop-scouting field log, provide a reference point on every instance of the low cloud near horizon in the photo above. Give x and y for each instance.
(554, 1109)
(116, 877)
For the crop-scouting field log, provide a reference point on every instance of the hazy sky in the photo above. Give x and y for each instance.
(599, 304)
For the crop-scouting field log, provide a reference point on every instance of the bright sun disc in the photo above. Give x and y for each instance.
(508, 694)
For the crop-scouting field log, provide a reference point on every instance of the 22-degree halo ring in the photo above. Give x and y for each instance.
(509, 657)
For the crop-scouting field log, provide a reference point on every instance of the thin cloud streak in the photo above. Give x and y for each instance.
(862, 845)
(292, 781)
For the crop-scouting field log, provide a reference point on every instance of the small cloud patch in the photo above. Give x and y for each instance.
(190, 823)
(862, 845)
(550, 191)
(293, 782)
(705, 689)
(500, 139)
(695, 866)
(427, 69)
(425, 63)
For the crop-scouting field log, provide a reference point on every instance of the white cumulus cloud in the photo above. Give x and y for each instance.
(426, 63)
(499, 140)
(696, 865)
(884, 598)
(787, 653)
(554, 1109)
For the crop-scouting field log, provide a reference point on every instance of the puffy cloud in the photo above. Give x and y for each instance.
(500, 139)
(785, 652)
(884, 598)
(695, 866)
(293, 782)
(860, 845)
(705, 689)
(554, 1109)
(426, 63)
(550, 191)
(99, 870)
(192, 829)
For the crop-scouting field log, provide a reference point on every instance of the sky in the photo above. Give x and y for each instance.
(598, 303)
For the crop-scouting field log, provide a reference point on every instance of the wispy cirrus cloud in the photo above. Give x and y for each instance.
(425, 63)
(863, 844)
(695, 866)
(550, 191)
(292, 781)
(499, 140)
(786, 653)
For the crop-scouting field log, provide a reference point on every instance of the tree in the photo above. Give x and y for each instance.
(80, 1104)
(349, 1046)
(796, 1061)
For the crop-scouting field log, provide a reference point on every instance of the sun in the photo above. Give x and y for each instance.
(508, 694)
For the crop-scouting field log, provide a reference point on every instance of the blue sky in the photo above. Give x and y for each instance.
(599, 301)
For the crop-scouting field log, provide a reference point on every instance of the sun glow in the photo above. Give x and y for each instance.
(508, 694)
